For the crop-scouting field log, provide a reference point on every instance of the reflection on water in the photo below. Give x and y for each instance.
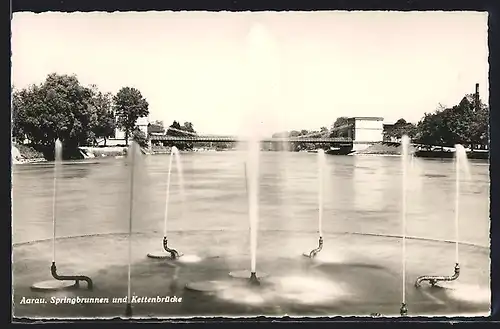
(370, 181)
(362, 194)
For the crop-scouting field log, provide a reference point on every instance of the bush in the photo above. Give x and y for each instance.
(140, 138)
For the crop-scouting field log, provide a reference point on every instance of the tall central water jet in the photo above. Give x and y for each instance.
(261, 84)
(253, 202)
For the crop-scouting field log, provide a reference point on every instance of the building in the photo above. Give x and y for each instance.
(141, 123)
(119, 139)
(366, 131)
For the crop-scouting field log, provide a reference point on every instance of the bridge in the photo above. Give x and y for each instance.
(362, 132)
(233, 139)
(313, 137)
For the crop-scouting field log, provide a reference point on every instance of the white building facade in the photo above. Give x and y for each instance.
(366, 131)
(119, 139)
(141, 123)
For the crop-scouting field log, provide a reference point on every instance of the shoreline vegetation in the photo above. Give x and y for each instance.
(23, 154)
(88, 122)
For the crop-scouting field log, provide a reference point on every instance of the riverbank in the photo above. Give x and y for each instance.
(97, 152)
(25, 154)
(383, 149)
(477, 154)
(395, 150)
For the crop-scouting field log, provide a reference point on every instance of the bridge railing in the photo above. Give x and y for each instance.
(237, 139)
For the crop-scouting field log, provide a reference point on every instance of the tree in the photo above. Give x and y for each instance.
(400, 128)
(18, 114)
(129, 105)
(340, 128)
(465, 123)
(139, 137)
(179, 132)
(57, 108)
(178, 129)
(104, 121)
(480, 128)
(156, 127)
(430, 128)
(188, 126)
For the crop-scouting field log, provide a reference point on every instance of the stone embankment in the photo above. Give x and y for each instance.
(25, 154)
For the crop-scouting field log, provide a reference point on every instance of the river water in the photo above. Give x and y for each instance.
(362, 194)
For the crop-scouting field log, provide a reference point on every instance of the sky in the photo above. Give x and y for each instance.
(226, 72)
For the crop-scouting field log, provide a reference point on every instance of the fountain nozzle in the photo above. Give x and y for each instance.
(435, 279)
(403, 310)
(253, 279)
(128, 310)
(174, 254)
(314, 252)
(76, 278)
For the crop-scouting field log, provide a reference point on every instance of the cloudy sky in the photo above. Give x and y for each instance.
(288, 70)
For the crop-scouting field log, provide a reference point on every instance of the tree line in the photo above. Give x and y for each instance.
(175, 129)
(62, 108)
(466, 123)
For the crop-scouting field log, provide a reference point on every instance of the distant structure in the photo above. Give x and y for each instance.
(141, 123)
(387, 128)
(369, 130)
(119, 139)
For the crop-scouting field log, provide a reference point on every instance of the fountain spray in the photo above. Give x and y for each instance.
(59, 279)
(174, 254)
(405, 144)
(132, 154)
(166, 251)
(321, 167)
(253, 197)
(460, 163)
(57, 163)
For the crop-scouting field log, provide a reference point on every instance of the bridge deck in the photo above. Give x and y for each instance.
(219, 139)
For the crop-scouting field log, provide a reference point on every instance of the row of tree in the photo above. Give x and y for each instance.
(175, 129)
(298, 146)
(61, 107)
(465, 123)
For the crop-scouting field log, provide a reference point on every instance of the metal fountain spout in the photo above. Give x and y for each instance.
(403, 310)
(76, 278)
(174, 254)
(314, 252)
(435, 279)
(253, 279)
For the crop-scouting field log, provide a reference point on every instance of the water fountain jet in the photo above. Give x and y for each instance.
(259, 84)
(460, 164)
(405, 153)
(168, 252)
(251, 276)
(132, 154)
(60, 282)
(321, 166)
